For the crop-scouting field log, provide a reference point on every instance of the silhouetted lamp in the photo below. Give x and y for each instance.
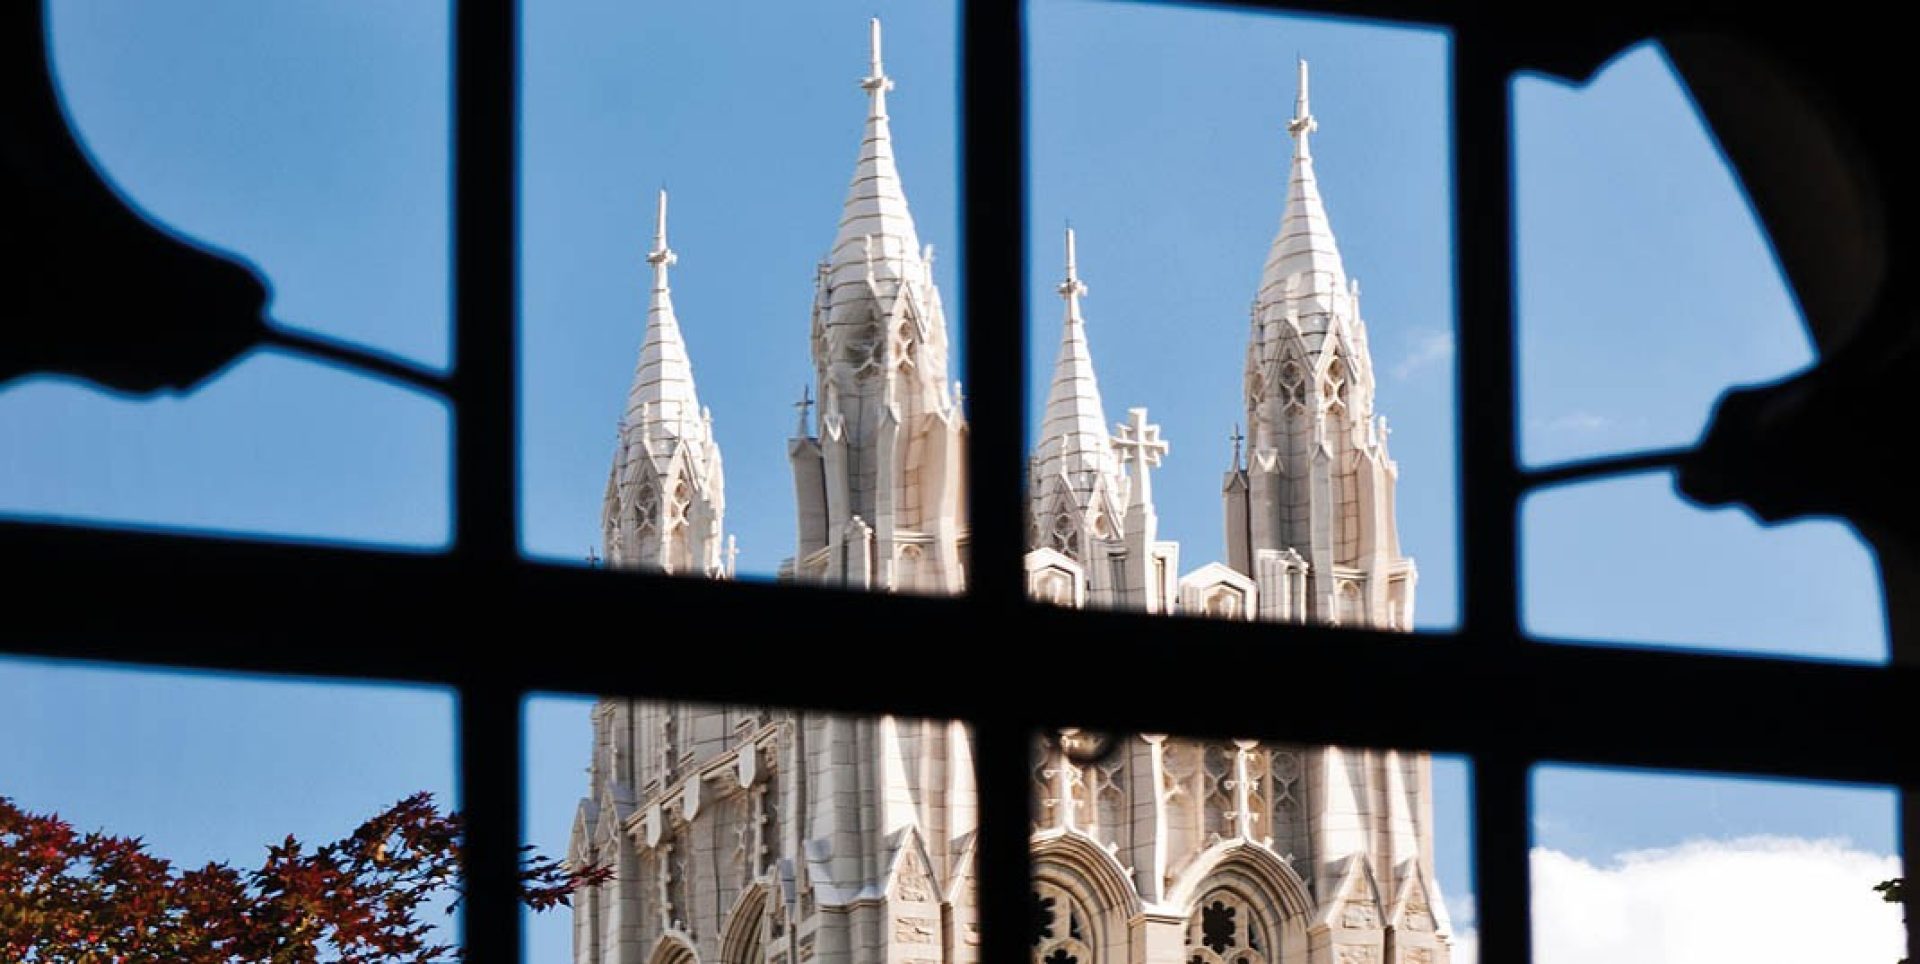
(92, 289)
(1835, 439)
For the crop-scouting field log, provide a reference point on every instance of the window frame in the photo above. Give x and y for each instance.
(1487, 691)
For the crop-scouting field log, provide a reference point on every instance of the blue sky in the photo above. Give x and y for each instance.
(1645, 290)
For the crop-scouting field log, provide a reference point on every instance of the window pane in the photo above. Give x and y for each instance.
(1646, 289)
(309, 141)
(205, 768)
(1646, 285)
(1647, 866)
(1628, 561)
(1198, 179)
(752, 834)
(789, 149)
(1263, 851)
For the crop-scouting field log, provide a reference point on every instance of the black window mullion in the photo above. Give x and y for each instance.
(993, 192)
(485, 400)
(490, 778)
(1490, 480)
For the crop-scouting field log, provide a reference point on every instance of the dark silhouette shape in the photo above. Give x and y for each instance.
(93, 290)
(1805, 124)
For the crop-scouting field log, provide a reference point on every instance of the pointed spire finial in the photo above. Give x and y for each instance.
(803, 406)
(1238, 439)
(1072, 288)
(1303, 122)
(661, 256)
(876, 83)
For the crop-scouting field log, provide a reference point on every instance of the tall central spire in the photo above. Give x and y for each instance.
(1304, 248)
(879, 492)
(875, 225)
(663, 397)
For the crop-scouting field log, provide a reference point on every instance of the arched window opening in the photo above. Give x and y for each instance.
(1062, 930)
(1225, 929)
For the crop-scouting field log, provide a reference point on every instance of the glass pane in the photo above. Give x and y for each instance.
(1627, 560)
(1646, 289)
(1246, 852)
(791, 319)
(748, 834)
(1647, 866)
(309, 141)
(1646, 285)
(1199, 178)
(214, 769)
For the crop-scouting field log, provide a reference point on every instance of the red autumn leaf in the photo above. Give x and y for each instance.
(96, 897)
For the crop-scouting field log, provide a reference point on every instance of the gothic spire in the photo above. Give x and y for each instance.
(875, 215)
(1073, 437)
(1304, 247)
(662, 399)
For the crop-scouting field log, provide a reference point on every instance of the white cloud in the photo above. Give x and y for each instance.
(1430, 348)
(1581, 421)
(1466, 947)
(1756, 900)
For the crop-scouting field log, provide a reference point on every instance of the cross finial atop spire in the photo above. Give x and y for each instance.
(1304, 262)
(1072, 288)
(803, 406)
(1238, 439)
(876, 83)
(661, 256)
(875, 213)
(1303, 122)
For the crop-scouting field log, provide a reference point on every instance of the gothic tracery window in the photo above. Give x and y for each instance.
(1292, 392)
(864, 347)
(1333, 391)
(1066, 536)
(643, 504)
(1062, 931)
(682, 501)
(1224, 929)
(1100, 527)
(904, 345)
(1217, 777)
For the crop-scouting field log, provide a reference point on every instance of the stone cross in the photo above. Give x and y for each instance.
(1140, 444)
(803, 406)
(1237, 439)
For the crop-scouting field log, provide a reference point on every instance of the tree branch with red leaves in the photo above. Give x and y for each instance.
(93, 898)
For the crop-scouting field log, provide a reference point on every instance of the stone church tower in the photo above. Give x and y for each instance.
(748, 834)
(751, 835)
(1161, 849)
